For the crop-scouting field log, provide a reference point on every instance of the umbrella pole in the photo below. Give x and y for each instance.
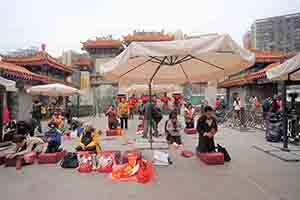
(78, 105)
(150, 96)
(285, 118)
(150, 116)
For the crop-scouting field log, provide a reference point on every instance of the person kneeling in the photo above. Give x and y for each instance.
(207, 128)
(88, 140)
(26, 146)
(54, 138)
(173, 130)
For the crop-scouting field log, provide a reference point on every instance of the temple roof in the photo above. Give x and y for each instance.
(83, 62)
(20, 72)
(248, 79)
(267, 56)
(101, 43)
(147, 37)
(40, 58)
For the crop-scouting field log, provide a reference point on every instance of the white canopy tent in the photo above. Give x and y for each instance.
(53, 90)
(10, 86)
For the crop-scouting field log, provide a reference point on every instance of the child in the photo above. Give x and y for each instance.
(53, 138)
(174, 128)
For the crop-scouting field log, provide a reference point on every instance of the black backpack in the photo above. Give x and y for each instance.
(223, 150)
(70, 160)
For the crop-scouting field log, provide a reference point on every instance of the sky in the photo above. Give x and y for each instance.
(62, 24)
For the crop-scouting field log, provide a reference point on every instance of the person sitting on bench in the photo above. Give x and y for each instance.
(88, 140)
(26, 146)
(207, 128)
(54, 138)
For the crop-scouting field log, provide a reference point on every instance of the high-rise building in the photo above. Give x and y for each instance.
(247, 40)
(281, 33)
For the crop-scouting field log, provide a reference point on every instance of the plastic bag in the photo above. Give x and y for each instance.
(85, 163)
(145, 172)
(105, 163)
(161, 158)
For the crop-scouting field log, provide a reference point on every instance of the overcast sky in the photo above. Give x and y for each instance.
(62, 24)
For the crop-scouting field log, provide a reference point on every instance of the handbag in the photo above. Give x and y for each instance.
(223, 150)
(70, 160)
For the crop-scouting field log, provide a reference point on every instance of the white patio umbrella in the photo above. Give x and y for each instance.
(52, 90)
(143, 88)
(196, 60)
(204, 59)
(9, 85)
(289, 70)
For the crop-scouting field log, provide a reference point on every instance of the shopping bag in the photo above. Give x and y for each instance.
(145, 172)
(161, 158)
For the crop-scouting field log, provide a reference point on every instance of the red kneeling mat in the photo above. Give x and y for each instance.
(190, 131)
(111, 132)
(14, 162)
(212, 158)
(114, 132)
(137, 153)
(50, 158)
(47, 158)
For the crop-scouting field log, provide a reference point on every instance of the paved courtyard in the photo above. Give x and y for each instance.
(252, 174)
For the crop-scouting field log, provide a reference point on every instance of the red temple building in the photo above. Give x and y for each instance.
(27, 69)
(253, 81)
(43, 64)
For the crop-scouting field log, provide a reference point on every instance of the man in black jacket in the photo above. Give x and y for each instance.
(207, 128)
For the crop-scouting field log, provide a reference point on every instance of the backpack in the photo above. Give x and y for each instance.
(223, 150)
(70, 160)
(156, 114)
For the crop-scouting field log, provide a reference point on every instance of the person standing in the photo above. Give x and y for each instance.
(123, 110)
(237, 107)
(148, 119)
(156, 118)
(37, 114)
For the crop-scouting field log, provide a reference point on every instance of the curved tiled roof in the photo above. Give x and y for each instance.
(250, 78)
(148, 37)
(267, 56)
(20, 72)
(99, 42)
(39, 58)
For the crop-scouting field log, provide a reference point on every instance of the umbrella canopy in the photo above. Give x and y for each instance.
(9, 85)
(52, 90)
(289, 70)
(204, 59)
(143, 88)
